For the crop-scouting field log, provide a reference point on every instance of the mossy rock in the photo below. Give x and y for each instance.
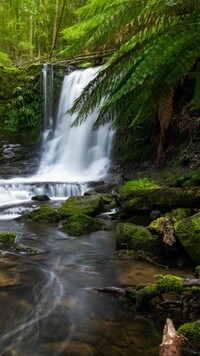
(45, 214)
(133, 185)
(169, 283)
(137, 237)
(81, 224)
(164, 284)
(88, 205)
(187, 231)
(192, 332)
(26, 250)
(161, 199)
(7, 238)
(164, 225)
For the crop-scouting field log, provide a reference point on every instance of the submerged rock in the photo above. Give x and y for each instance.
(90, 205)
(44, 214)
(80, 224)
(137, 237)
(8, 244)
(187, 231)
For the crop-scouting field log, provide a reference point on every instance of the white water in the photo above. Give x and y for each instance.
(71, 156)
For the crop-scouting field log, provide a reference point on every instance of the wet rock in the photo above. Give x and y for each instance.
(45, 214)
(8, 244)
(80, 224)
(9, 150)
(7, 238)
(40, 198)
(91, 205)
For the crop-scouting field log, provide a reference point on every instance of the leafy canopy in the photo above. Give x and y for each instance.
(157, 43)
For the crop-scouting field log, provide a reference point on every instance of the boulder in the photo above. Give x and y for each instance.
(187, 231)
(192, 332)
(45, 214)
(137, 237)
(91, 205)
(40, 197)
(80, 224)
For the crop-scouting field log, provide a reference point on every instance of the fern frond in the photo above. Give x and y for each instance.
(161, 46)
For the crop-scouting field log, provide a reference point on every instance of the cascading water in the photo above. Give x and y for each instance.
(71, 156)
(76, 154)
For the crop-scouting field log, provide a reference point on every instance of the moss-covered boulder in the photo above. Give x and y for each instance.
(187, 231)
(192, 332)
(7, 238)
(45, 214)
(142, 200)
(80, 224)
(88, 205)
(164, 226)
(137, 237)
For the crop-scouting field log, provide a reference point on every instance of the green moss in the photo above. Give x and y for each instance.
(192, 332)
(187, 231)
(7, 238)
(88, 205)
(164, 284)
(44, 214)
(138, 184)
(137, 238)
(164, 225)
(80, 224)
(144, 295)
(168, 283)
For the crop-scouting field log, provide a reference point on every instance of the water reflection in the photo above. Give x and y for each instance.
(48, 308)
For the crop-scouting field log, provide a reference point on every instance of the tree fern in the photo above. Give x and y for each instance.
(160, 46)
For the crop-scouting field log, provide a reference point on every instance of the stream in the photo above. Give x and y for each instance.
(49, 308)
(48, 303)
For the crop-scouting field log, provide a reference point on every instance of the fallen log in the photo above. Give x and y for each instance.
(173, 343)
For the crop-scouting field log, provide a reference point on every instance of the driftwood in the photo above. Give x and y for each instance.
(172, 342)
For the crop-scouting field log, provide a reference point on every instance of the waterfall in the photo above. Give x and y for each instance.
(48, 76)
(76, 154)
(71, 156)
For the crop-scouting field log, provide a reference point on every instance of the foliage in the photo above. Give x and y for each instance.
(31, 29)
(4, 60)
(24, 110)
(157, 44)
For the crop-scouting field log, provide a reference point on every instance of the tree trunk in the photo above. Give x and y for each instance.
(172, 342)
(57, 29)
